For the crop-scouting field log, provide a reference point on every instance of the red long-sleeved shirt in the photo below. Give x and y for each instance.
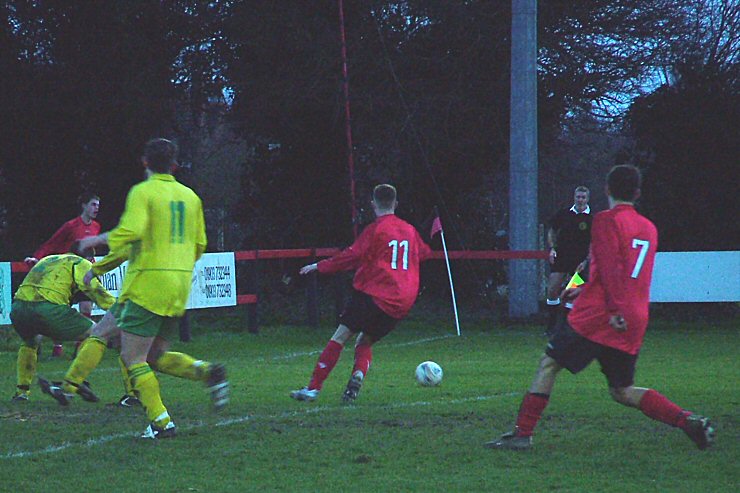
(623, 246)
(386, 256)
(71, 231)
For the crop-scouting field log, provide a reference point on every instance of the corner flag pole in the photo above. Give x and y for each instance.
(437, 227)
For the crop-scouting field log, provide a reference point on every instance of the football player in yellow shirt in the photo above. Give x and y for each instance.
(63, 392)
(41, 307)
(162, 231)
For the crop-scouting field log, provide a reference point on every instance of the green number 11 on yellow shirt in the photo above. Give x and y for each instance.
(177, 222)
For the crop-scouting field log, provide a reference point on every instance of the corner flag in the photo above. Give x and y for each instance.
(437, 228)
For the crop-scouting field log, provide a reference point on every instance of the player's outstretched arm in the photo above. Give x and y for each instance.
(93, 241)
(307, 269)
(89, 276)
(92, 287)
(108, 263)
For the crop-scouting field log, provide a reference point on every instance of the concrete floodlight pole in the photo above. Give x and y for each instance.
(523, 282)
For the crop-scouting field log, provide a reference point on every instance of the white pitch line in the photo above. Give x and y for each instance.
(312, 353)
(285, 356)
(422, 341)
(288, 356)
(242, 419)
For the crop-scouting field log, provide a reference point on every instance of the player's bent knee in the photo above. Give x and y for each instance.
(547, 370)
(106, 328)
(102, 334)
(364, 340)
(621, 395)
(159, 347)
(342, 335)
(153, 357)
(31, 343)
(548, 366)
(615, 394)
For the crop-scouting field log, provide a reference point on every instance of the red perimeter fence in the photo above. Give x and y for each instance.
(254, 256)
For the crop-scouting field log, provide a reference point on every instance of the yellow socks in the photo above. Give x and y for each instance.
(26, 366)
(146, 387)
(88, 358)
(125, 378)
(182, 365)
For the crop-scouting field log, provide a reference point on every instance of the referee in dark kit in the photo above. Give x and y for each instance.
(568, 236)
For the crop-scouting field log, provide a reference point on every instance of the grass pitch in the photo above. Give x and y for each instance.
(398, 436)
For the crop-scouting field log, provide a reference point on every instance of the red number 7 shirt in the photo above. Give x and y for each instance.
(623, 245)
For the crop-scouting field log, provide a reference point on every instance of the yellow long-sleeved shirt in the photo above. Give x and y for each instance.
(57, 278)
(163, 226)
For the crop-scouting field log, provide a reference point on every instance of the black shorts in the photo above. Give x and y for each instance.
(362, 315)
(574, 352)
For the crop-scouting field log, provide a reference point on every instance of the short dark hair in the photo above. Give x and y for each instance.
(86, 197)
(160, 155)
(384, 196)
(624, 182)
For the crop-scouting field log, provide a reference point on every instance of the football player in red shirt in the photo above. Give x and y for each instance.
(60, 242)
(608, 320)
(386, 257)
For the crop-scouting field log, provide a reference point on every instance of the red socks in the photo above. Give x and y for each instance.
(656, 406)
(363, 357)
(530, 412)
(327, 361)
(653, 404)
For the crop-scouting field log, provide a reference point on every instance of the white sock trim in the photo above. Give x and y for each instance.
(553, 302)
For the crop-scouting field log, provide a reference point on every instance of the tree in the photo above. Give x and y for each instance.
(217, 165)
(84, 85)
(429, 88)
(688, 135)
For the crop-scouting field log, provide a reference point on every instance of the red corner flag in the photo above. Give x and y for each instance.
(436, 227)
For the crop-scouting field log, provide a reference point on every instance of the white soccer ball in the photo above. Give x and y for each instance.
(429, 374)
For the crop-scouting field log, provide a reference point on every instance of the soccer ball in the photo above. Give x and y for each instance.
(429, 374)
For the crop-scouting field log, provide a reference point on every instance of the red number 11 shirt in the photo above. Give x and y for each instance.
(386, 257)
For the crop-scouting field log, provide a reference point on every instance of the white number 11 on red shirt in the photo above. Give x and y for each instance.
(395, 245)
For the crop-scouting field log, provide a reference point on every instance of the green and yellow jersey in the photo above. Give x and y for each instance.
(57, 278)
(162, 231)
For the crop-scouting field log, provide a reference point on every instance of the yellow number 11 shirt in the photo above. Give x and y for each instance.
(162, 231)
